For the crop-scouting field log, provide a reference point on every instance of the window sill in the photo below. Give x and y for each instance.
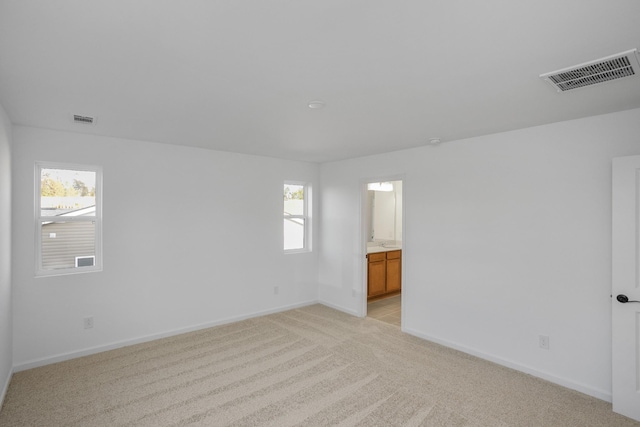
(296, 251)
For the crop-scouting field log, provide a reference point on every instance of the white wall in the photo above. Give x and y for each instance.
(6, 344)
(192, 237)
(507, 237)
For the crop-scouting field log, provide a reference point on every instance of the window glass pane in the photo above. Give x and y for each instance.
(65, 192)
(293, 199)
(68, 244)
(293, 233)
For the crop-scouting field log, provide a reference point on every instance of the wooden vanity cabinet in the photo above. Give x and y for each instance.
(384, 273)
(393, 271)
(377, 274)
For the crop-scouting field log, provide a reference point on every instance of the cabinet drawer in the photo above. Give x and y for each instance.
(394, 254)
(378, 256)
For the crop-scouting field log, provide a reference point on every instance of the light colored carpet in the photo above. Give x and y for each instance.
(312, 366)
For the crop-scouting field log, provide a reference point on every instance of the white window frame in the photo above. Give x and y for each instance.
(306, 217)
(41, 220)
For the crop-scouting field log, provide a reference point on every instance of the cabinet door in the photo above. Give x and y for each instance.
(376, 273)
(394, 274)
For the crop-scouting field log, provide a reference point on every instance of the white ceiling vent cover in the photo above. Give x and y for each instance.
(612, 67)
(86, 120)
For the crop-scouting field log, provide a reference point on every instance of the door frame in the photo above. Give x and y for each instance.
(363, 239)
(625, 280)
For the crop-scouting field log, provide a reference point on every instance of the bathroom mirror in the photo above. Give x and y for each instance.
(384, 211)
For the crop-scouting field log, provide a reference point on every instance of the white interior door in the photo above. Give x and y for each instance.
(626, 287)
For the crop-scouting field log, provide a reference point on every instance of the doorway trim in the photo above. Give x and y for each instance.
(363, 238)
(625, 366)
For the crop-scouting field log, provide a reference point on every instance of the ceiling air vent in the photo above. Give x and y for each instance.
(87, 120)
(612, 67)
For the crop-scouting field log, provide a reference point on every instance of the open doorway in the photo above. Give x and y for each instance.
(383, 230)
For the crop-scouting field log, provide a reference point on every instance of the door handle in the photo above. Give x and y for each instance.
(624, 299)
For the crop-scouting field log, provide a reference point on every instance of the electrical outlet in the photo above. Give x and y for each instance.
(543, 342)
(88, 322)
(353, 293)
(276, 290)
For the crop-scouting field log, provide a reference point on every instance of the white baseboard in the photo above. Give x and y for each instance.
(582, 388)
(340, 308)
(5, 387)
(99, 349)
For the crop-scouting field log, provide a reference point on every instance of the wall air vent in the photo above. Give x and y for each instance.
(621, 65)
(87, 120)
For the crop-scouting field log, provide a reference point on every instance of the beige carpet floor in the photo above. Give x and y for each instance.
(312, 366)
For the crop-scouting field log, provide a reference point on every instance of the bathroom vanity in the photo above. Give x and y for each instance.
(384, 272)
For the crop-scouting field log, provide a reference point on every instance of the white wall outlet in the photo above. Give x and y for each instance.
(88, 322)
(353, 293)
(543, 342)
(276, 290)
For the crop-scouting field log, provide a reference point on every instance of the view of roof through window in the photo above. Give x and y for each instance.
(67, 192)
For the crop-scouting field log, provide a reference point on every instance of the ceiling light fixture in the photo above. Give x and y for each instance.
(380, 186)
(316, 104)
(435, 141)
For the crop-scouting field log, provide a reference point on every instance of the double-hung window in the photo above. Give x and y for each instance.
(68, 219)
(296, 217)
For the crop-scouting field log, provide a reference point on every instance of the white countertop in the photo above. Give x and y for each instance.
(375, 249)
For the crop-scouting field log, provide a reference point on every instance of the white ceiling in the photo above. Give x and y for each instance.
(237, 75)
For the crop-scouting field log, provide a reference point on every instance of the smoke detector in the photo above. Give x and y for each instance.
(82, 119)
(614, 67)
(316, 104)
